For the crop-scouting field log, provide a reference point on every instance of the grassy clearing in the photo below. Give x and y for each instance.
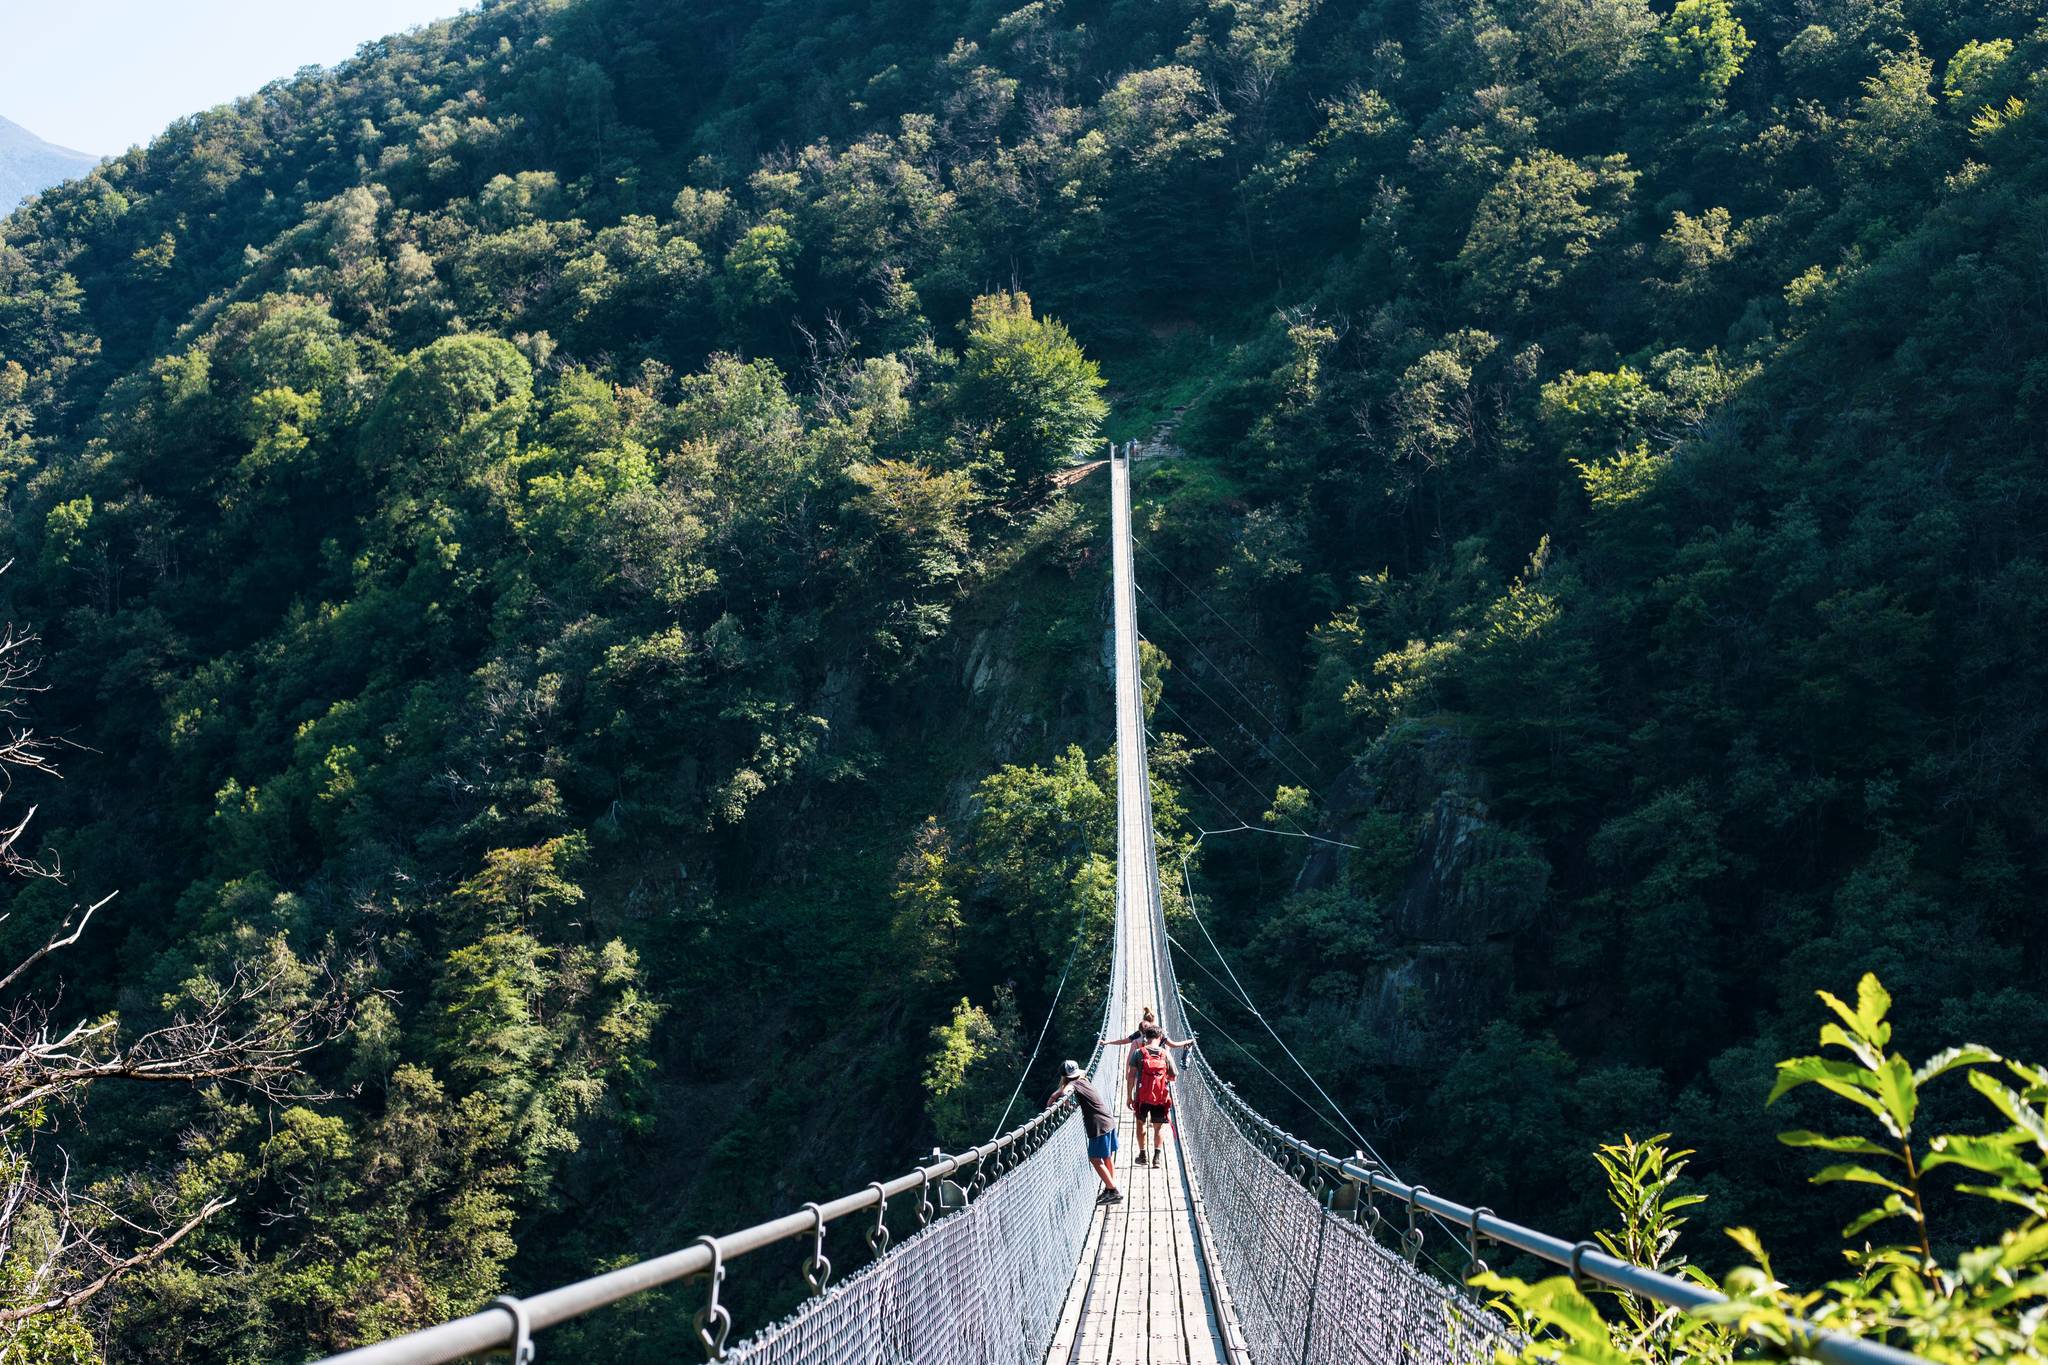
(1187, 486)
(1150, 383)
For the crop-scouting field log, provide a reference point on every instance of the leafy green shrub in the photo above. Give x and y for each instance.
(1920, 1292)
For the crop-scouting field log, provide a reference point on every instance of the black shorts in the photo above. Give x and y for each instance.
(1153, 1113)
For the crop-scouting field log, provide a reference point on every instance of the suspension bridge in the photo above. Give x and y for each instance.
(1246, 1246)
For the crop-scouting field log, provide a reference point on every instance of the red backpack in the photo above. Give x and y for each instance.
(1153, 1085)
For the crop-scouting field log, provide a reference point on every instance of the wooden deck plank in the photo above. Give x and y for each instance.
(1146, 1295)
(1143, 1295)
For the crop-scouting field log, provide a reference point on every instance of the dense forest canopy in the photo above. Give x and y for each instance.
(550, 524)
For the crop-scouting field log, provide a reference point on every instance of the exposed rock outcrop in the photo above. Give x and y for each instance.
(1471, 883)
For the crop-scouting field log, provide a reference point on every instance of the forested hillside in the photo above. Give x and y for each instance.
(543, 539)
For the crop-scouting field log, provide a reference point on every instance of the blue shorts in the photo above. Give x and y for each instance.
(1102, 1148)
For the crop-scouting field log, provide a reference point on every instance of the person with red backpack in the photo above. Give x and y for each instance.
(1149, 1080)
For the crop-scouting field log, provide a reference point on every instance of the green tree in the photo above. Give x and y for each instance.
(1540, 226)
(926, 925)
(1028, 400)
(542, 1033)
(1975, 71)
(1041, 839)
(758, 270)
(1894, 124)
(969, 1069)
(1700, 48)
(916, 545)
(517, 885)
(450, 408)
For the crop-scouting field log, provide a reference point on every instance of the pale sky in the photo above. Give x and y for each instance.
(99, 76)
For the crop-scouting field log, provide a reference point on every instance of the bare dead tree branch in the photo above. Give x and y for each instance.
(155, 1251)
(58, 940)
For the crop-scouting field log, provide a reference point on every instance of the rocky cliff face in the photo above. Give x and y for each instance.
(1469, 887)
(1022, 672)
(992, 680)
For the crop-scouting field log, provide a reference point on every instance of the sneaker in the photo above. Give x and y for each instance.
(1103, 1198)
(1111, 1197)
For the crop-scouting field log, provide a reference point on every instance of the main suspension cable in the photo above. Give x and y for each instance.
(1253, 1057)
(1187, 884)
(1231, 683)
(1186, 724)
(1025, 1074)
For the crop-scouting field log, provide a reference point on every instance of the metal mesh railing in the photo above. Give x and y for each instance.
(1303, 1282)
(1309, 1280)
(984, 1285)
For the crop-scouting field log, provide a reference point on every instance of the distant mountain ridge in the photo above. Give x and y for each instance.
(29, 165)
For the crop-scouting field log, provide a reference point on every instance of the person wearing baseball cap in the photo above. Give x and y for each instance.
(1097, 1122)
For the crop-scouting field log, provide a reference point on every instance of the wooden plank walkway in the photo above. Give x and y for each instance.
(1142, 1294)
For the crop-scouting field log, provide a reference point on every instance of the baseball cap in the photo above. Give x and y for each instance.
(1070, 1069)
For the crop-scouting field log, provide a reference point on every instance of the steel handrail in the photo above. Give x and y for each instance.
(1581, 1258)
(493, 1327)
